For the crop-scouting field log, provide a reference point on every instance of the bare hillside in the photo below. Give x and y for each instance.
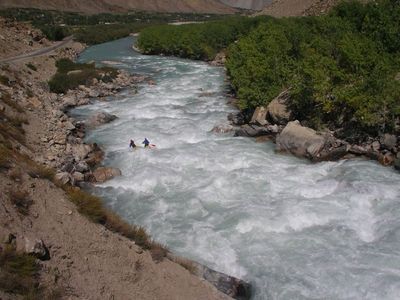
(289, 8)
(100, 6)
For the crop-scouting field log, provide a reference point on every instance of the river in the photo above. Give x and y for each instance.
(294, 229)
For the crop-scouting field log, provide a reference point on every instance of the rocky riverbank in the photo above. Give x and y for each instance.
(74, 258)
(275, 122)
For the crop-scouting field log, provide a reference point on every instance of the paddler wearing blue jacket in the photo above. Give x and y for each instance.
(146, 142)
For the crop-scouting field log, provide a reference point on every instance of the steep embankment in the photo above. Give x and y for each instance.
(101, 6)
(49, 247)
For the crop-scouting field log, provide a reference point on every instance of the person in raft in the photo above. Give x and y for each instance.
(146, 142)
(132, 144)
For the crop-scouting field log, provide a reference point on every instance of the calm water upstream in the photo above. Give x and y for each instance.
(296, 230)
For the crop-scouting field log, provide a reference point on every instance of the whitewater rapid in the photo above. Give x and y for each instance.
(295, 230)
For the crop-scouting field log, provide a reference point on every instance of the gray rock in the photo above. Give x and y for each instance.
(252, 131)
(37, 248)
(300, 141)
(357, 150)
(237, 118)
(397, 164)
(278, 111)
(63, 177)
(82, 167)
(103, 174)
(78, 176)
(259, 116)
(68, 102)
(223, 128)
(389, 141)
(375, 146)
(81, 151)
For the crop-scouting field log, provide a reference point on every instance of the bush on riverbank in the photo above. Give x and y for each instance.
(342, 69)
(195, 41)
(70, 75)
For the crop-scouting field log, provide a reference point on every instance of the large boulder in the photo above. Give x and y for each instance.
(300, 141)
(259, 116)
(103, 174)
(278, 112)
(101, 118)
(63, 178)
(388, 141)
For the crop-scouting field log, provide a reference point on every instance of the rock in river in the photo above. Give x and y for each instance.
(300, 141)
(103, 174)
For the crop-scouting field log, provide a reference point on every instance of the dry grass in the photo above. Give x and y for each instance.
(4, 80)
(158, 251)
(187, 264)
(21, 200)
(6, 98)
(18, 272)
(5, 157)
(19, 275)
(92, 207)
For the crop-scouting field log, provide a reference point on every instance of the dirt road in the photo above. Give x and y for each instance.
(38, 52)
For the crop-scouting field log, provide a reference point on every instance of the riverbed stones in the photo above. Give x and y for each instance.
(103, 174)
(300, 141)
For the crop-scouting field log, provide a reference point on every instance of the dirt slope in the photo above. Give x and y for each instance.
(99, 6)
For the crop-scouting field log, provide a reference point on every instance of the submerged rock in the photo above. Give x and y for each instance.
(101, 118)
(253, 131)
(103, 174)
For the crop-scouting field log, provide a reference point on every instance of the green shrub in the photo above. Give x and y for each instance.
(4, 80)
(70, 75)
(31, 66)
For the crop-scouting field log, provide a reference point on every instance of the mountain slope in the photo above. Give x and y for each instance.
(289, 8)
(247, 4)
(100, 6)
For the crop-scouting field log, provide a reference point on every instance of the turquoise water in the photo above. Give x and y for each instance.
(295, 230)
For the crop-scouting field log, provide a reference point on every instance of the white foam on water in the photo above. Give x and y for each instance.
(296, 230)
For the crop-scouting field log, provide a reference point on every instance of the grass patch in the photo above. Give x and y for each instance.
(21, 200)
(4, 80)
(6, 98)
(18, 272)
(92, 207)
(70, 75)
(31, 66)
(5, 157)
(187, 264)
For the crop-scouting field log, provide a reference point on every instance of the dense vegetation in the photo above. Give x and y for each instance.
(342, 70)
(70, 75)
(86, 28)
(195, 41)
